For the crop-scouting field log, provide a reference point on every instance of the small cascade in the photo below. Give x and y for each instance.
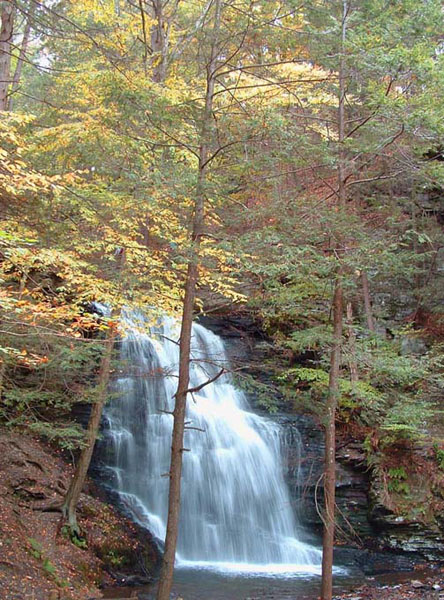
(236, 511)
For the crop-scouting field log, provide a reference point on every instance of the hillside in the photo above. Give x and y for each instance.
(37, 560)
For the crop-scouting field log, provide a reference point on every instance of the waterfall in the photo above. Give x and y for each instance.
(235, 506)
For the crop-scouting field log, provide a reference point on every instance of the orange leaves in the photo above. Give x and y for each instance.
(24, 357)
(72, 332)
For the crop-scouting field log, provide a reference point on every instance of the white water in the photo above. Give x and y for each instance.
(235, 513)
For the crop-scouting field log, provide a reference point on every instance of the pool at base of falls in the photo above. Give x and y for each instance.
(212, 584)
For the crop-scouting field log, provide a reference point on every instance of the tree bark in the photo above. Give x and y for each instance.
(22, 55)
(330, 446)
(146, 49)
(73, 494)
(354, 373)
(367, 302)
(2, 376)
(335, 355)
(167, 569)
(6, 32)
(160, 42)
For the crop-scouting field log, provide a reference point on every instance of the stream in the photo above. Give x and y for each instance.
(206, 584)
(203, 584)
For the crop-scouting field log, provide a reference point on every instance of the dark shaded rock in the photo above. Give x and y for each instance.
(131, 580)
(373, 563)
(80, 412)
(233, 326)
(362, 517)
(414, 538)
(304, 464)
(399, 532)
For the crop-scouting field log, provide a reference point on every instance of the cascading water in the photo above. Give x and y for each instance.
(235, 510)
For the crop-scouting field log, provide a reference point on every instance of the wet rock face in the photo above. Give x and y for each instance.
(362, 518)
(397, 532)
(304, 469)
(414, 537)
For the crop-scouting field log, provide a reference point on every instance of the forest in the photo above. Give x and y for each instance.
(221, 299)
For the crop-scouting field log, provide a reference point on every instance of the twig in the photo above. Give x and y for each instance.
(202, 385)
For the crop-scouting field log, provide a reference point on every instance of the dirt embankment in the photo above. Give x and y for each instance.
(37, 559)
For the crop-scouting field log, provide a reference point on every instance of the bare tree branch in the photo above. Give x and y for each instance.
(202, 385)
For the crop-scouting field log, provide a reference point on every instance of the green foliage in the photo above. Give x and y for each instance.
(301, 238)
(397, 473)
(388, 395)
(49, 567)
(311, 338)
(397, 481)
(264, 395)
(69, 437)
(43, 378)
(21, 401)
(114, 558)
(74, 537)
(371, 457)
(439, 454)
(311, 376)
(36, 548)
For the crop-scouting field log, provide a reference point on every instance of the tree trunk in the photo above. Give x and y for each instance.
(166, 573)
(2, 376)
(167, 569)
(22, 55)
(367, 302)
(330, 446)
(354, 374)
(335, 356)
(146, 48)
(78, 480)
(6, 32)
(160, 42)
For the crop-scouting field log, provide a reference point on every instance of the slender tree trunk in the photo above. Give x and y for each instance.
(335, 356)
(22, 55)
(2, 376)
(367, 302)
(160, 42)
(330, 446)
(73, 494)
(7, 9)
(146, 48)
(354, 374)
(167, 569)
